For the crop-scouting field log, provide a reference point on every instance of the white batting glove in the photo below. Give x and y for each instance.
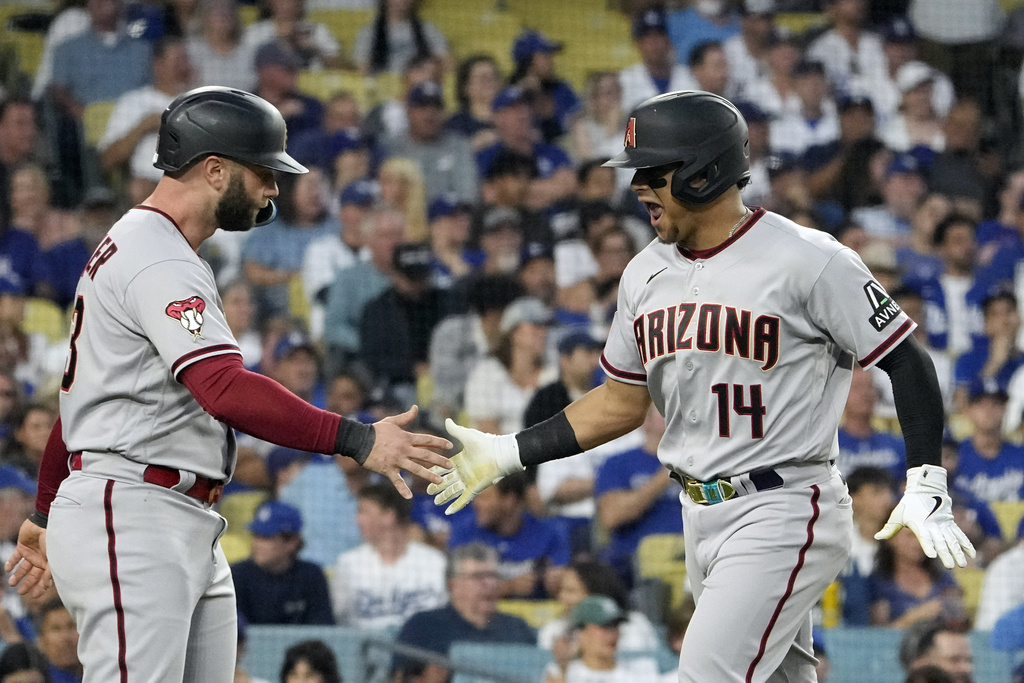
(927, 510)
(484, 460)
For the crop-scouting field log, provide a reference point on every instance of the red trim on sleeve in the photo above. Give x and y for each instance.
(213, 349)
(258, 405)
(887, 344)
(53, 469)
(621, 374)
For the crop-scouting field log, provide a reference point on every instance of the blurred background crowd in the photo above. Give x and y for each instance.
(457, 244)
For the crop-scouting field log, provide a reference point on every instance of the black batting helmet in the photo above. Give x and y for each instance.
(227, 122)
(699, 132)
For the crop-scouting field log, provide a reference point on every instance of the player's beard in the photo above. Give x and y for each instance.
(236, 211)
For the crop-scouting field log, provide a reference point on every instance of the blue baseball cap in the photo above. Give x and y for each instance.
(12, 283)
(752, 113)
(281, 457)
(12, 477)
(274, 517)
(903, 163)
(980, 388)
(530, 42)
(577, 340)
(781, 163)
(899, 30)
(648, 21)
(293, 341)
(446, 205)
(848, 102)
(360, 192)
(536, 250)
(509, 96)
(345, 140)
(276, 54)
(425, 94)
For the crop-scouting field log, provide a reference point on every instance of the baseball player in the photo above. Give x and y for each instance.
(152, 388)
(743, 328)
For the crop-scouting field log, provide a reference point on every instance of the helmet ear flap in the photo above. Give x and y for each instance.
(687, 189)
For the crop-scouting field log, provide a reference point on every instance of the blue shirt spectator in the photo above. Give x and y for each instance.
(274, 586)
(635, 498)
(23, 268)
(532, 551)
(65, 262)
(879, 449)
(992, 478)
(471, 616)
(688, 28)
(94, 67)
(548, 158)
(277, 78)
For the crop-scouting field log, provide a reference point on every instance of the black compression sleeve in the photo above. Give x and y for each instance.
(915, 388)
(354, 440)
(551, 439)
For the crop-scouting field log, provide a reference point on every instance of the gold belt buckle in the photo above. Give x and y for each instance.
(711, 492)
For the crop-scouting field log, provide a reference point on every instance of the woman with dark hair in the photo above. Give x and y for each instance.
(394, 37)
(23, 663)
(584, 578)
(310, 661)
(477, 81)
(908, 587)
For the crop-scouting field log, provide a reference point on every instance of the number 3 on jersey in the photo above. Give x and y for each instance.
(755, 409)
(76, 329)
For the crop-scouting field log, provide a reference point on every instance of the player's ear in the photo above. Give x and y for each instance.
(216, 171)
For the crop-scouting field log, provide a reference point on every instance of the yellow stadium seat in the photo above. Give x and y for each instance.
(970, 580)
(248, 14)
(386, 86)
(536, 613)
(458, 25)
(662, 556)
(343, 24)
(236, 546)
(94, 121)
(239, 508)
(1009, 514)
(298, 304)
(799, 22)
(323, 84)
(29, 46)
(45, 317)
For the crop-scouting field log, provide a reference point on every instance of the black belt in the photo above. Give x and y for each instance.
(720, 490)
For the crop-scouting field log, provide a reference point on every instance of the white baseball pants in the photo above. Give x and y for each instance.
(141, 570)
(757, 565)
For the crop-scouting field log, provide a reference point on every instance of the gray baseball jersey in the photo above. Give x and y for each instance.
(146, 308)
(747, 349)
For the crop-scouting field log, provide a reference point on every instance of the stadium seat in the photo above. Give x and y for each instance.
(266, 645)
(28, 45)
(536, 613)
(248, 14)
(94, 121)
(523, 662)
(239, 508)
(298, 305)
(1009, 514)
(662, 556)
(323, 84)
(237, 546)
(343, 24)
(970, 580)
(42, 316)
(799, 22)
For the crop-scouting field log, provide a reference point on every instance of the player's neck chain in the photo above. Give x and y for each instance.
(743, 218)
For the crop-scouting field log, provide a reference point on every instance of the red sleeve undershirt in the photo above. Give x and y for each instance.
(241, 399)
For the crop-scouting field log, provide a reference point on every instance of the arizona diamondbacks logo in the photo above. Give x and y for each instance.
(630, 140)
(188, 312)
(885, 309)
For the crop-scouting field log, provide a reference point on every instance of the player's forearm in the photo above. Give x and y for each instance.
(259, 406)
(918, 399)
(52, 471)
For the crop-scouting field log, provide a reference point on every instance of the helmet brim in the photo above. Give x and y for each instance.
(283, 162)
(634, 158)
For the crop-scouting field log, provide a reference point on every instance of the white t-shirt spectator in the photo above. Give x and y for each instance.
(956, 22)
(129, 110)
(637, 85)
(492, 395)
(367, 593)
(67, 24)
(849, 68)
(263, 32)
(324, 257)
(233, 70)
(1002, 589)
(793, 133)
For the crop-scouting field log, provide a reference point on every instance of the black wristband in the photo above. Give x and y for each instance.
(354, 440)
(39, 519)
(551, 439)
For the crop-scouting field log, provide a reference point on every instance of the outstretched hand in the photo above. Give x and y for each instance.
(927, 510)
(484, 460)
(30, 571)
(395, 449)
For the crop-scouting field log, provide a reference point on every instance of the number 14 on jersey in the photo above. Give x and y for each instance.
(755, 409)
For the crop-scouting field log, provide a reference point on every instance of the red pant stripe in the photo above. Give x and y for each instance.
(108, 510)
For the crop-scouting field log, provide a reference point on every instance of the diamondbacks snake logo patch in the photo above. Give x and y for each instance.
(188, 312)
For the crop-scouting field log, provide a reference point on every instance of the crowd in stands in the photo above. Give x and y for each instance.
(457, 244)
